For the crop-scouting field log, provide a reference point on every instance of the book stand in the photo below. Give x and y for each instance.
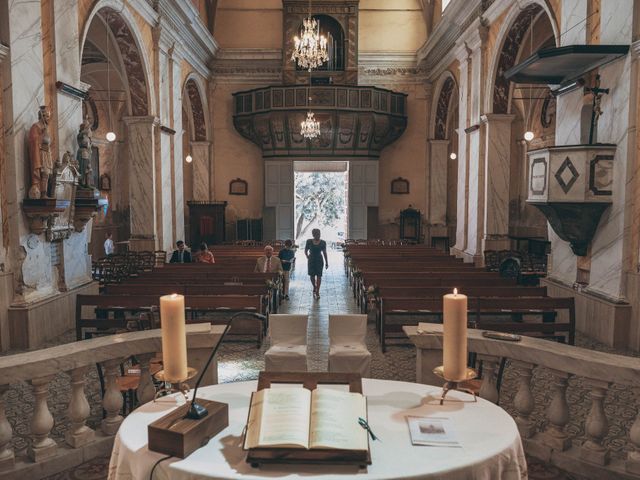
(310, 380)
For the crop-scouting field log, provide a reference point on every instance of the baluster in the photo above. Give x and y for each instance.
(42, 446)
(596, 425)
(524, 401)
(558, 413)
(112, 401)
(632, 464)
(146, 391)
(7, 457)
(79, 434)
(489, 386)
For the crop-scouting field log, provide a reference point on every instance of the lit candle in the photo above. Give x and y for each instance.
(454, 349)
(174, 338)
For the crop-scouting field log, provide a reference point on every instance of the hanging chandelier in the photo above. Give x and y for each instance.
(310, 127)
(310, 49)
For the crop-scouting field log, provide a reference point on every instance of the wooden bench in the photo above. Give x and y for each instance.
(110, 311)
(478, 310)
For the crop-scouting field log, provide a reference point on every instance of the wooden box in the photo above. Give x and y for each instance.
(178, 436)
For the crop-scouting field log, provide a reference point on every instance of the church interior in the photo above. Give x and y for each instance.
(329, 171)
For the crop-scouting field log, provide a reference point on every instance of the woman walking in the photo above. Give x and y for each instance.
(314, 250)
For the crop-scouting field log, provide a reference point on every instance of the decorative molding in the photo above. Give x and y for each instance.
(438, 51)
(248, 65)
(181, 25)
(375, 66)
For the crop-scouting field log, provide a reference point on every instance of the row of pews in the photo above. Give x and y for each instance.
(212, 293)
(404, 284)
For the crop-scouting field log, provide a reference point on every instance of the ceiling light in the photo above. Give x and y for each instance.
(453, 156)
(110, 136)
(188, 159)
(528, 135)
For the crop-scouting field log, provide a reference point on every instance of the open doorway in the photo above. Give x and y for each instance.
(321, 200)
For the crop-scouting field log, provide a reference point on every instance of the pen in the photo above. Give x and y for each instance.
(364, 424)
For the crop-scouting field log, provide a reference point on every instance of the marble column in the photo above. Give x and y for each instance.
(140, 145)
(496, 181)
(200, 154)
(24, 69)
(463, 160)
(438, 155)
(178, 160)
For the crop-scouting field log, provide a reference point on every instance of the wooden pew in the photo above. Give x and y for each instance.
(119, 305)
(478, 310)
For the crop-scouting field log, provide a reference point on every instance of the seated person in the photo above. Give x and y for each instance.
(268, 263)
(181, 255)
(204, 255)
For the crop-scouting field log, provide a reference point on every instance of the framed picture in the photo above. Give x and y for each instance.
(238, 187)
(105, 182)
(400, 186)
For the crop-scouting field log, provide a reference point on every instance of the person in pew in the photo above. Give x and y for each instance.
(181, 254)
(204, 255)
(315, 249)
(268, 263)
(109, 248)
(287, 257)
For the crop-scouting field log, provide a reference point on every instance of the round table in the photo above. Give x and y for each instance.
(490, 444)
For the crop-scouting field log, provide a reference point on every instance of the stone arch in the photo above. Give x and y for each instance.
(510, 39)
(447, 95)
(196, 108)
(134, 59)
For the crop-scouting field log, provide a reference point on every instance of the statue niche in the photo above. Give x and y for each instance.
(46, 198)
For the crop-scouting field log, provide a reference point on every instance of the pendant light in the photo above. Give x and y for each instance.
(110, 136)
(529, 135)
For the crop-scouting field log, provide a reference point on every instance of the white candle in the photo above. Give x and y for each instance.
(174, 338)
(454, 349)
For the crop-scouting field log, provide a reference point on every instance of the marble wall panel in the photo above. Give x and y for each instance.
(568, 110)
(573, 28)
(438, 181)
(37, 274)
(200, 154)
(461, 204)
(497, 158)
(476, 183)
(167, 202)
(616, 22)
(77, 263)
(562, 261)
(141, 153)
(164, 112)
(607, 246)
(178, 157)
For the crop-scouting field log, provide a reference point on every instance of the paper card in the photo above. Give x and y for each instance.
(432, 431)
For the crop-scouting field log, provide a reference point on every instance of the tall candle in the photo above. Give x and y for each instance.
(174, 337)
(454, 349)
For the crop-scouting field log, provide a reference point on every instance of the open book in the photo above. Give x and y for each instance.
(294, 417)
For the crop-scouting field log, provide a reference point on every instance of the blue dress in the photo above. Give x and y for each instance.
(315, 263)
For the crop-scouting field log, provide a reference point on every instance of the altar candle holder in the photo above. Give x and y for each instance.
(168, 388)
(449, 384)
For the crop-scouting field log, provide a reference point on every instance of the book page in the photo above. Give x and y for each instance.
(279, 418)
(334, 420)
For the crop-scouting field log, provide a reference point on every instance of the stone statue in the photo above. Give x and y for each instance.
(41, 163)
(84, 155)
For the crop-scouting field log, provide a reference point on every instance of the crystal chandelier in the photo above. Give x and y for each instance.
(310, 50)
(310, 127)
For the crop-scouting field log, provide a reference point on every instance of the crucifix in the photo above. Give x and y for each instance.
(597, 93)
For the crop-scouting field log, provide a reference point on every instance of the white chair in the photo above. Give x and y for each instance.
(347, 347)
(288, 350)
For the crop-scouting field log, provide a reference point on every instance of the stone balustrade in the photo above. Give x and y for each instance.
(549, 439)
(44, 456)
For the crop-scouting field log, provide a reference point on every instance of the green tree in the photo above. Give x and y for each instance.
(319, 199)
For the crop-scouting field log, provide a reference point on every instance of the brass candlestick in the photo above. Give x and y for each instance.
(172, 387)
(449, 385)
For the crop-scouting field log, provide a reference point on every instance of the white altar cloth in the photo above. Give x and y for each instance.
(491, 446)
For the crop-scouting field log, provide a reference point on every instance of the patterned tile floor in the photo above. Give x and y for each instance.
(242, 361)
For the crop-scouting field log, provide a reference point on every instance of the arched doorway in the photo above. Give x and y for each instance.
(119, 102)
(517, 109)
(443, 171)
(195, 147)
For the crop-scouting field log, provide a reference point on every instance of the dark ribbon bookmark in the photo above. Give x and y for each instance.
(364, 424)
